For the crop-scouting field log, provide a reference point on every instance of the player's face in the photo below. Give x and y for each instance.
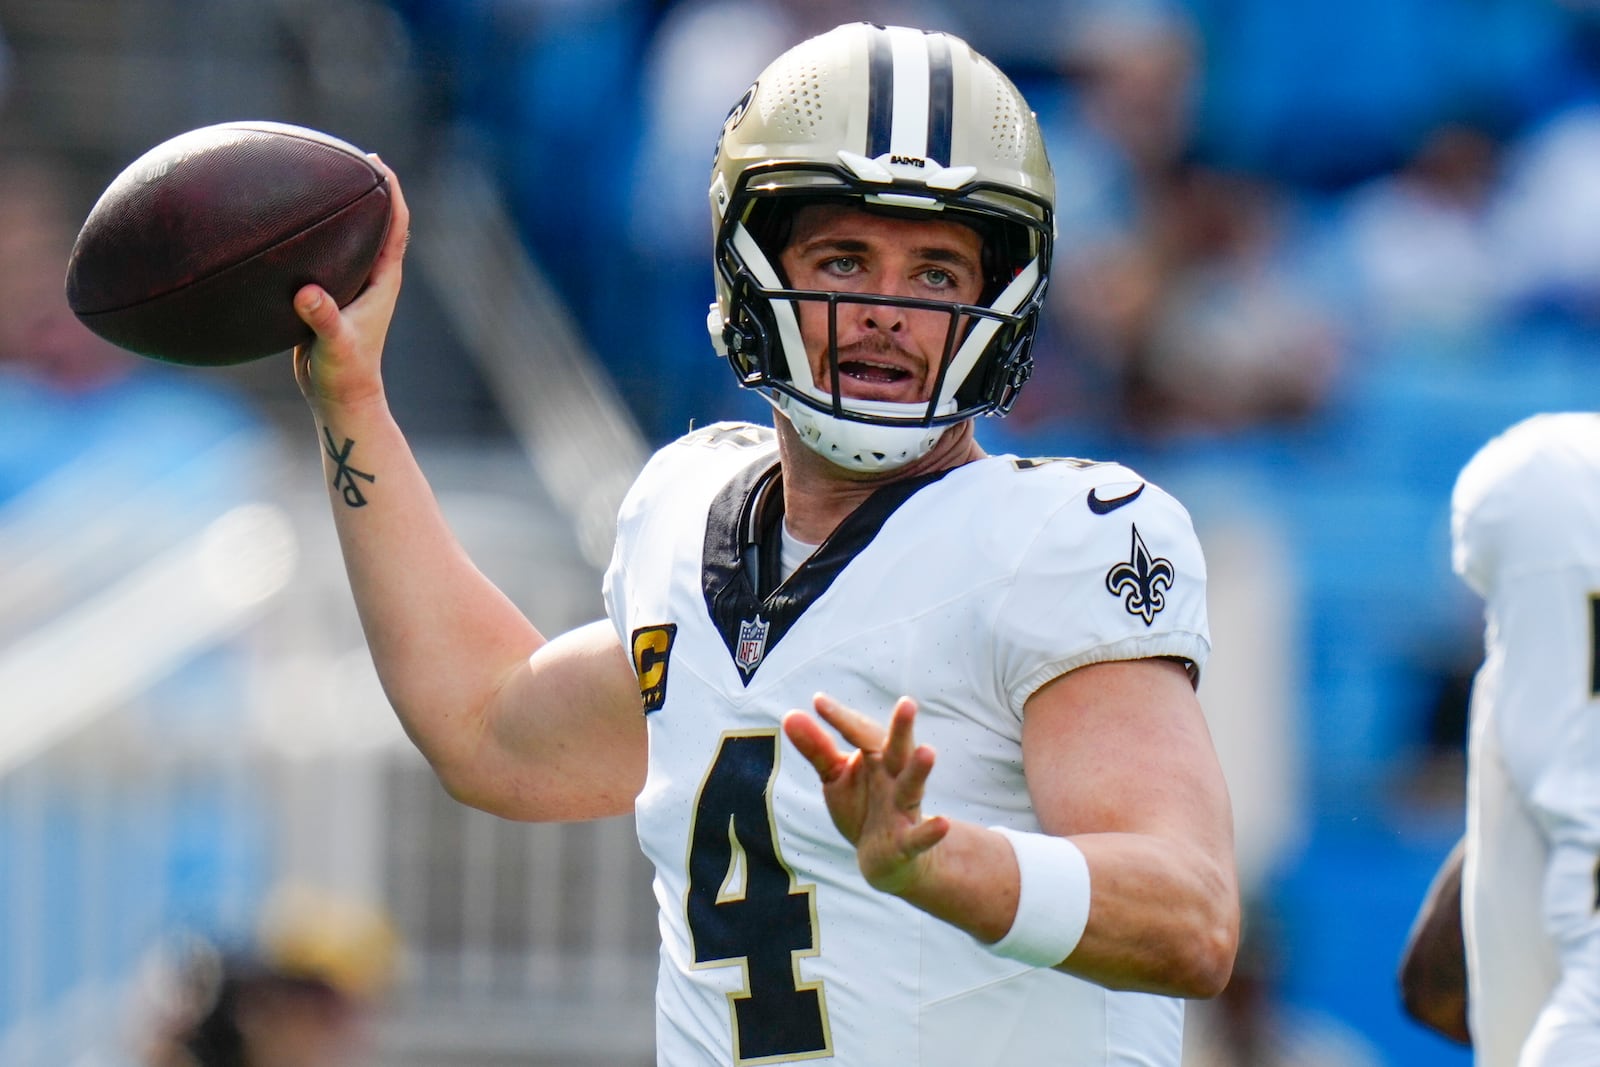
(885, 352)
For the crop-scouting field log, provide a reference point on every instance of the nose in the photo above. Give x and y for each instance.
(890, 318)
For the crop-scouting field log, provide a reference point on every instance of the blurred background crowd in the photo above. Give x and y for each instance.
(1310, 257)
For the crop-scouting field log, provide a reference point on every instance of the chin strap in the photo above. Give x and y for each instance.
(856, 446)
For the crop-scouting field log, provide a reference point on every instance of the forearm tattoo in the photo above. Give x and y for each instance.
(344, 475)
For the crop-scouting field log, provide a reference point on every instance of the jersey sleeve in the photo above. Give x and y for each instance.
(1524, 505)
(1477, 511)
(1101, 584)
(633, 515)
(1526, 531)
(614, 590)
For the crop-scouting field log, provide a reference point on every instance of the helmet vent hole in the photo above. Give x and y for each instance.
(795, 101)
(1008, 126)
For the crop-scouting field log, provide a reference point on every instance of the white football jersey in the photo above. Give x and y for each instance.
(968, 591)
(1526, 531)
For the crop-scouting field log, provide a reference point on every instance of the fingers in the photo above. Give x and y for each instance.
(854, 727)
(342, 363)
(815, 744)
(903, 760)
(912, 778)
(895, 744)
(874, 791)
(312, 302)
(317, 310)
(897, 750)
(926, 834)
(399, 236)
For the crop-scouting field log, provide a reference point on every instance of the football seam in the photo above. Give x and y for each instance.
(258, 253)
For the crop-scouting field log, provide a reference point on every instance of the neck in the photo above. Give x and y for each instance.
(817, 495)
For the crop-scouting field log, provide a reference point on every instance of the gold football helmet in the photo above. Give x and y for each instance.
(901, 121)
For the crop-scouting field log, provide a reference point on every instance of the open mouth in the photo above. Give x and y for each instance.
(871, 372)
(869, 378)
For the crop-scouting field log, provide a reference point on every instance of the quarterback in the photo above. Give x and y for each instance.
(1521, 895)
(909, 731)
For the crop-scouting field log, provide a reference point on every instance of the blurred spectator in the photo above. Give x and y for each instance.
(1116, 116)
(1121, 117)
(302, 996)
(1232, 341)
(1421, 241)
(1196, 324)
(1548, 223)
(1172, 303)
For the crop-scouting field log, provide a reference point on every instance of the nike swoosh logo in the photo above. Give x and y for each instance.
(1106, 507)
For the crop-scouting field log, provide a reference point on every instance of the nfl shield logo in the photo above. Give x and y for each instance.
(752, 643)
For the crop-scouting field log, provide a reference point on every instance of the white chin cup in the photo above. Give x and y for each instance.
(862, 446)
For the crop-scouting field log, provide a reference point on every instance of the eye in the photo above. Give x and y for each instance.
(947, 282)
(842, 265)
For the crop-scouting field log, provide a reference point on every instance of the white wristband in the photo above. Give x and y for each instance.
(1052, 899)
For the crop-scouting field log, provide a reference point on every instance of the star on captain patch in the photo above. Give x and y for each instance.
(752, 644)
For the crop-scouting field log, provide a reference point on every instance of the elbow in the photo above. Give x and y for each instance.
(1212, 956)
(471, 783)
(1212, 946)
(1193, 960)
(466, 778)
(465, 787)
(457, 748)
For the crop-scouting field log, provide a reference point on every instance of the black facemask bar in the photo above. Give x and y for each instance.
(751, 336)
(754, 346)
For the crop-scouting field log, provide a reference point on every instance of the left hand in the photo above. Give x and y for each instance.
(874, 794)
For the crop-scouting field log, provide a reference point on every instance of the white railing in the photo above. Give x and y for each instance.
(127, 587)
(176, 741)
(534, 943)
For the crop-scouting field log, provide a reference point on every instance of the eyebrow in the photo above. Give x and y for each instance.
(854, 245)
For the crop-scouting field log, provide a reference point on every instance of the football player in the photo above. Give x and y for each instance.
(1521, 895)
(909, 731)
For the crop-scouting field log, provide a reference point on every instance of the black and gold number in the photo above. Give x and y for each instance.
(745, 908)
(1035, 462)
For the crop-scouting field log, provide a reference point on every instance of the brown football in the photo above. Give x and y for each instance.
(193, 254)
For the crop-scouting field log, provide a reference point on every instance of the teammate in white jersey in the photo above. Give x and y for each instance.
(910, 732)
(1521, 897)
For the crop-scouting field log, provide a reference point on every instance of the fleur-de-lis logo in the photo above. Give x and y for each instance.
(1142, 582)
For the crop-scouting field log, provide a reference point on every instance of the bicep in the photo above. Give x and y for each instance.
(1118, 757)
(1123, 747)
(564, 737)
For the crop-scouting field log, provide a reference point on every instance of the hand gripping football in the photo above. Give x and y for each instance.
(194, 253)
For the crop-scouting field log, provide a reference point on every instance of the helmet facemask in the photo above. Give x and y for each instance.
(756, 321)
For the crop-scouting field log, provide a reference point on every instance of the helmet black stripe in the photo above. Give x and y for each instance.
(941, 98)
(880, 92)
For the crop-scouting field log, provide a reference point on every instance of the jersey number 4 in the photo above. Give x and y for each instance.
(745, 908)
